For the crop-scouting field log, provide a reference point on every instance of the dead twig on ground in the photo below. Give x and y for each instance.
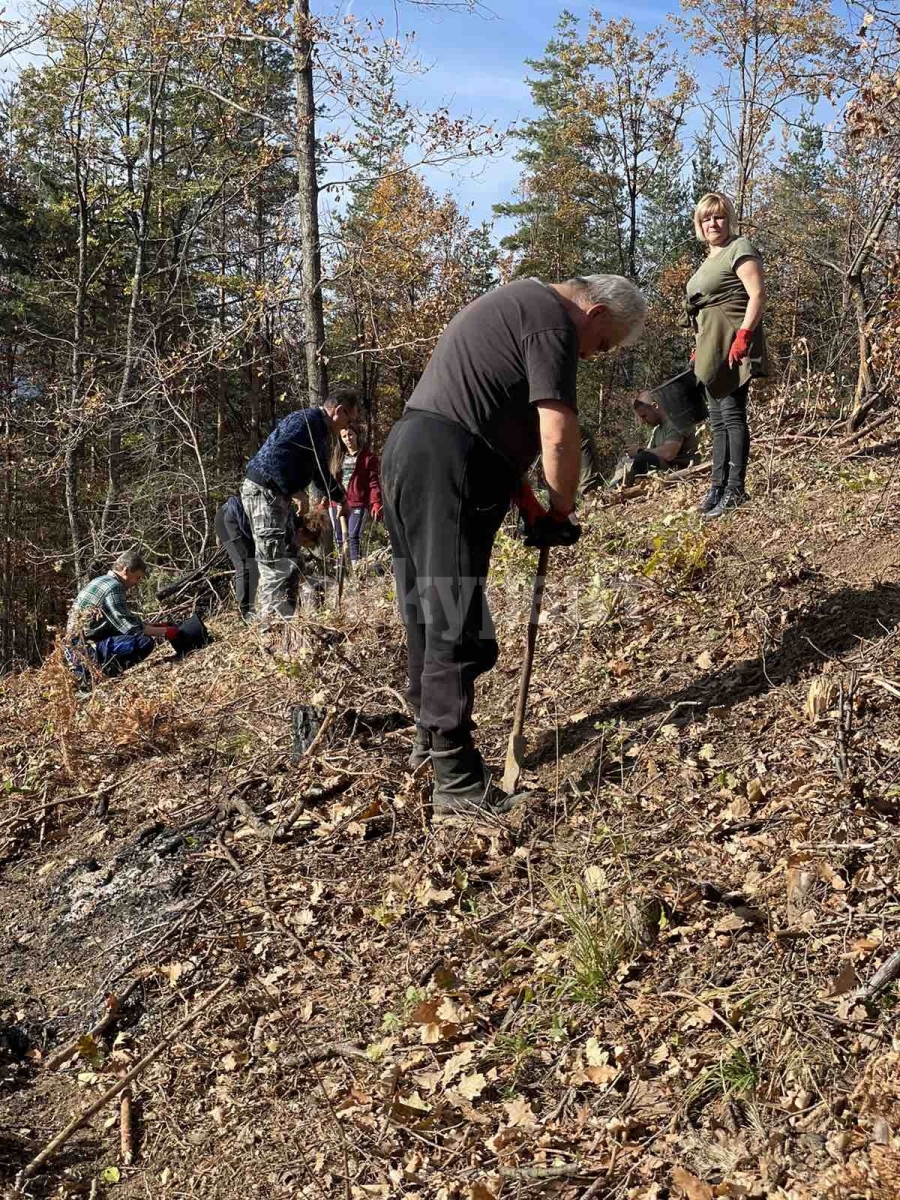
(115, 1005)
(885, 975)
(126, 1128)
(82, 1119)
(236, 804)
(324, 792)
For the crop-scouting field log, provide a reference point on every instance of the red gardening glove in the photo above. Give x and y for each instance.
(552, 529)
(171, 633)
(528, 504)
(740, 347)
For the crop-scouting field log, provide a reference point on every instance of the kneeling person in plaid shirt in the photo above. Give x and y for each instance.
(103, 631)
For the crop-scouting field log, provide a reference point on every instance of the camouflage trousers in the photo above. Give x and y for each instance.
(270, 519)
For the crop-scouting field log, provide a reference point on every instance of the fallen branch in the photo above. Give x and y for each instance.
(126, 1129)
(115, 1005)
(684, 472)
(865, 430)
(564, 1171)
(622, 495)
(885, 974)
(78, 1122)
(314, 794)
(235, 804)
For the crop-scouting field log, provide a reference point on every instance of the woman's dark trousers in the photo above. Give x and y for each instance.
(446, 493)
(242, 553)
(731, 438)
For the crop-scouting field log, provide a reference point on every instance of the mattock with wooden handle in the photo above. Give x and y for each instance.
(515, 750)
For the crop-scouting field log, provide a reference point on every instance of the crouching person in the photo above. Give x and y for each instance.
(102, 631)
(670, 448)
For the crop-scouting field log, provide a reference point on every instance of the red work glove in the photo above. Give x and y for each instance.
(553, 529)
(528, 504)
(376, 512)
(171, 633)
(740, 347)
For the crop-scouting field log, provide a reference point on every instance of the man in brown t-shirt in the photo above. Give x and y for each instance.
(499, 389)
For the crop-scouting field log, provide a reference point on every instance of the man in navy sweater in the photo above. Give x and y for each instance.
(295, 454)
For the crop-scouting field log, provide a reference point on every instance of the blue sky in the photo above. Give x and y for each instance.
(478, 68)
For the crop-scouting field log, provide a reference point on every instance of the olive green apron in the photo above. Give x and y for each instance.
(716, 304)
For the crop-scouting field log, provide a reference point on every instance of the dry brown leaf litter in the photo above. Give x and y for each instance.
(647, 984)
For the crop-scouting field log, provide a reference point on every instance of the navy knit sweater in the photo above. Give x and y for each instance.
(296, 454)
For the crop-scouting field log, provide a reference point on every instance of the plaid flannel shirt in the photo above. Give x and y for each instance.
(100, 610)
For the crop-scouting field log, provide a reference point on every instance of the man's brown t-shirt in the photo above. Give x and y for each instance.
(496, 359)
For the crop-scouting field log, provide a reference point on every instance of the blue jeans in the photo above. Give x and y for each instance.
(355, 522)
(112, 655)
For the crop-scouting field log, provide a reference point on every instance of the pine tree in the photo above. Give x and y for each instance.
(565, 215)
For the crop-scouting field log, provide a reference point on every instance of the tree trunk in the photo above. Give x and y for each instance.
(308, 205)
(866, 394)
(140, 225)
(221, 384)
(73, 432)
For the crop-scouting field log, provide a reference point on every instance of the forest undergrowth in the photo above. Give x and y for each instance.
(656, 979)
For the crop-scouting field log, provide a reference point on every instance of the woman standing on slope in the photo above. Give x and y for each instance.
(357, 468)
(726, 297)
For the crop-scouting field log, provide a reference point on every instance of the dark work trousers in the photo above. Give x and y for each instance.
(112, 655)
(242, 553)
(645, 461)
(117, 654)
(731, 438)
(446, 493)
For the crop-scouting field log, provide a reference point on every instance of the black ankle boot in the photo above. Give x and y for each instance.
(712, 498)
(463, 784)
(732, 498)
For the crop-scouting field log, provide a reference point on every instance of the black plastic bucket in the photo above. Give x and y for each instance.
(192, 635)
(682, 399)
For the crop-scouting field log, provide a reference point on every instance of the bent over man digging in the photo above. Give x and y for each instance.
(499, 389)
(295, 454)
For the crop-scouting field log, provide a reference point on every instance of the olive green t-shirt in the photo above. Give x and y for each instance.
(668, 431)
(716, 303)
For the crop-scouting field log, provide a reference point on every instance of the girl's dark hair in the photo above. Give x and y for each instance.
(339, 450)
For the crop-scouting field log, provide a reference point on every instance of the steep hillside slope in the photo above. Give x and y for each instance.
(652, 981)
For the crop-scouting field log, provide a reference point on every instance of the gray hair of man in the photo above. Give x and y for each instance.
(626, 302)
(130, 560)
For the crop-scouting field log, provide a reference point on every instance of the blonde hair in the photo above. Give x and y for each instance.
(714, 202)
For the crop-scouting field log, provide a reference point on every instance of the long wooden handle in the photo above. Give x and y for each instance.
(537, 597)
